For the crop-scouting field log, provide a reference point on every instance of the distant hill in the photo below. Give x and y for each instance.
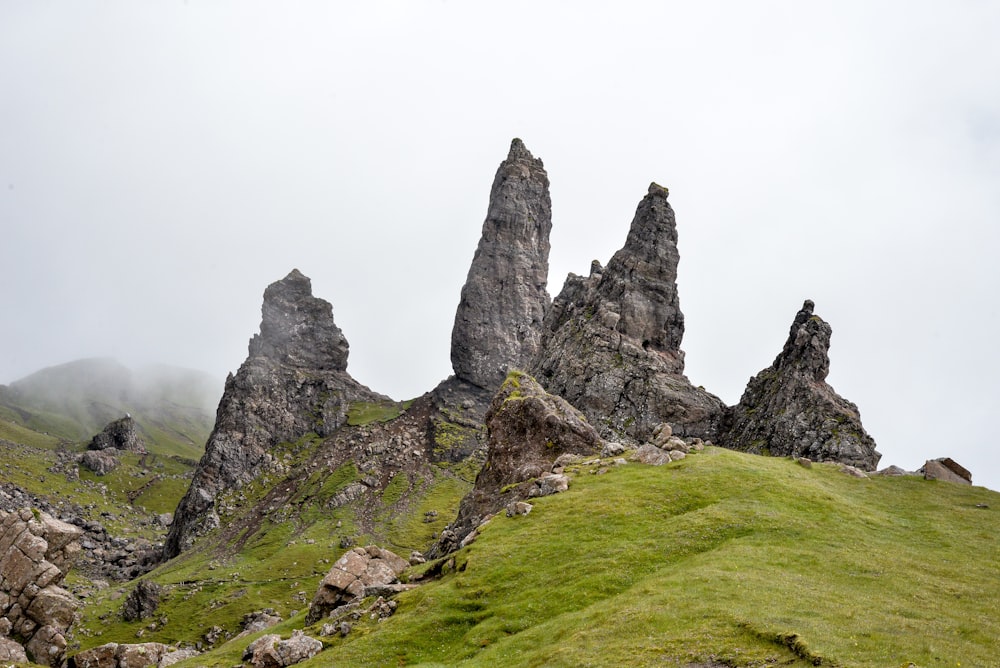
(174, 407)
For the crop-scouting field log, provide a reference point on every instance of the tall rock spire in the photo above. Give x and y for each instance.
(789, 409)
(293, 382)
(498, 325)
(612, 339)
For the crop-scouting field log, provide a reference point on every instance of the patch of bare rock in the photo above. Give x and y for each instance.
(271, 651)
(527, 430)
(36, 553)
(359, 573)
(130, 655)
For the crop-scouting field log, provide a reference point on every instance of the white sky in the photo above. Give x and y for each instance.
(162, 162)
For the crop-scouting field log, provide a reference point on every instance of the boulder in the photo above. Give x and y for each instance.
(270, 651)
(611, 344)
(119, 435)
(11, 652)
(498, 324)
(142, 601)
(101, 462)
(946, 469)
(652, 455)
(349, 577)
(528, 430)
(788, 409)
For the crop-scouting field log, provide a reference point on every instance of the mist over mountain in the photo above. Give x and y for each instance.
(174, 407)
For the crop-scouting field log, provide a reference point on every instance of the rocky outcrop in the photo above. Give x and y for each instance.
(946, 469)
(270, 651)
(788, 409)
(119, 435)
(498, 325)
(128, 655)
(355, 575)
(528, 429)
(101, 462)
(294, 381)
(142, 602)
(36, 552)
(612, 339)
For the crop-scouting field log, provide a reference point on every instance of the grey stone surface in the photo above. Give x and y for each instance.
(612, 339)
(498, 324)
(788, 409)
(528, 430)
(294, 381)
(120, 435)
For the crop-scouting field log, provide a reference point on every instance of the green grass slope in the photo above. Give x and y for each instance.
(174, 408)
(722, 559)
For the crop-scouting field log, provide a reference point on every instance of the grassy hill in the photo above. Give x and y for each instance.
(174, 408)
(722, 559)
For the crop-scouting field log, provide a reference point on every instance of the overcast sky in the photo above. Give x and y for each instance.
(162, 162)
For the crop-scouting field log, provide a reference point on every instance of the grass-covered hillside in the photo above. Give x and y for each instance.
(722, 559)
(174, 408)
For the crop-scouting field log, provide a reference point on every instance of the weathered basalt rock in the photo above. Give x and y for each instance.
(294, 381)
(498, 325)
(612, 339)
(788, 409)
(120, 435)
(36, 552)
(528, 429)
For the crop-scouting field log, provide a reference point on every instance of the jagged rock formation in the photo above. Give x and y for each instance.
(612, 339)
(119, 435)
(788, 409)
(498, 324)
(528, 429)
(294, 381)
(36, 552)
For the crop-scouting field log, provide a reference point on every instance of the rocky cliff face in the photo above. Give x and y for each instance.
(789, 409)
(527, 430)
(612, 339)
(294, 381)
(498, 324)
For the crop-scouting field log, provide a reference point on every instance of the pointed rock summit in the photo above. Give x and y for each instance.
(612, 339)
(788, 409)
(498, 325)
(297, 329)
(294, 381)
